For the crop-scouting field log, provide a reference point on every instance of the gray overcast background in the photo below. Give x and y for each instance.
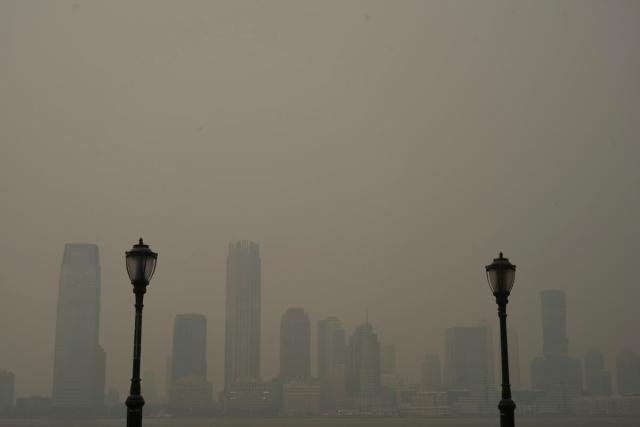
(381, 153)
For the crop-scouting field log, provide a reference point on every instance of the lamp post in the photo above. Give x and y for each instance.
(141, 263)
(501, 274)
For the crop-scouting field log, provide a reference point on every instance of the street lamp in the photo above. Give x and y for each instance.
(501, 274)
(141, 263)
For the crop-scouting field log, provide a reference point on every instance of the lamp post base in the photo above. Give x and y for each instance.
(507, 408)
(134, 410)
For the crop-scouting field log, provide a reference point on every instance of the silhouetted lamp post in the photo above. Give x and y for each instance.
(141, 263)
(501, 274)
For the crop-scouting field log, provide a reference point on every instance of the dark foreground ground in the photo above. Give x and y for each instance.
(333, 422)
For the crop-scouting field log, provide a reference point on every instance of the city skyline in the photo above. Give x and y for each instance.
(381, 153)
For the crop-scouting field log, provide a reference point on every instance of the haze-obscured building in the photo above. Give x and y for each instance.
(431, 372)
(363, 369)
(242, 315)
(7, 390)
(295, 346)
(189, 391)
(79, 361)
(597, 378)
(301, 397)
(244, 391)
(387, 359)
(559, 375)
(150, 382)
(466, 357)
(332, 357)
(628, 372)
(514, 360)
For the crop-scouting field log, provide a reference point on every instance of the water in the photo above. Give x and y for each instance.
(337, 422)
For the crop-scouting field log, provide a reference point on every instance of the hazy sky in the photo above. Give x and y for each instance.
(381, 153)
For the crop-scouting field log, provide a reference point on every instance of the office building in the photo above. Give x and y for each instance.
(295, 346)
(189, 390)
(514, 359)
(597, 378)
(387, 359)
(242, 316)
(628, 372)
(301, 398)
(7, 390)
(431, 373)
(555, 373)
(466, 357)
(79, 361)
(363, 364)
(332, 357)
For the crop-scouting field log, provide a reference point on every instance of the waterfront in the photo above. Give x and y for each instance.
(335, 422)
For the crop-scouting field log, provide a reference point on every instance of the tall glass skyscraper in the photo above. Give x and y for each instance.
(363, 365)
(332, 363)
(242, 317)
(556, 372)
(189, 356)
(189, 389)
(295, 345)
(79, 361)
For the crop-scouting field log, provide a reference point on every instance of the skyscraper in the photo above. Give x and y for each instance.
(79, 361)
(332, 357)
(628, 372)
(597, 379)
(431, 372)
(388, 359)
(7, 390)
(466, 357)
(363, 369)
(189, 389)
(242, 316)
(295, 345)
(554, 324)
(556, 372)
(514, 359)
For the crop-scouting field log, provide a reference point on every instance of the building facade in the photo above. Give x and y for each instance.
(628, 372)
(242, 316)
(295, 346)
(466, 357)
(7, 390)
(79, 361)
(431, 373)
(332, 359)
(189, 389)
(597, 378)
(363, 365)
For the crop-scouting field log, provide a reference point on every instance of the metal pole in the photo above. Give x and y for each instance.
(506, 405)
(135, 401)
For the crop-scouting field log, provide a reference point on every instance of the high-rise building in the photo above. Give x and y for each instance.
(597, 379)
(242, 316)
(491, 368)
(332, 358)
(628, 372)
(150, 387)
(514, 359)
(466, 357)
(363, 369)
(295, 345)
(7, 390)
(555, 372)
(431, 372)
(555, 341)
(387, 359)
(189, 388)
(79, 361)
